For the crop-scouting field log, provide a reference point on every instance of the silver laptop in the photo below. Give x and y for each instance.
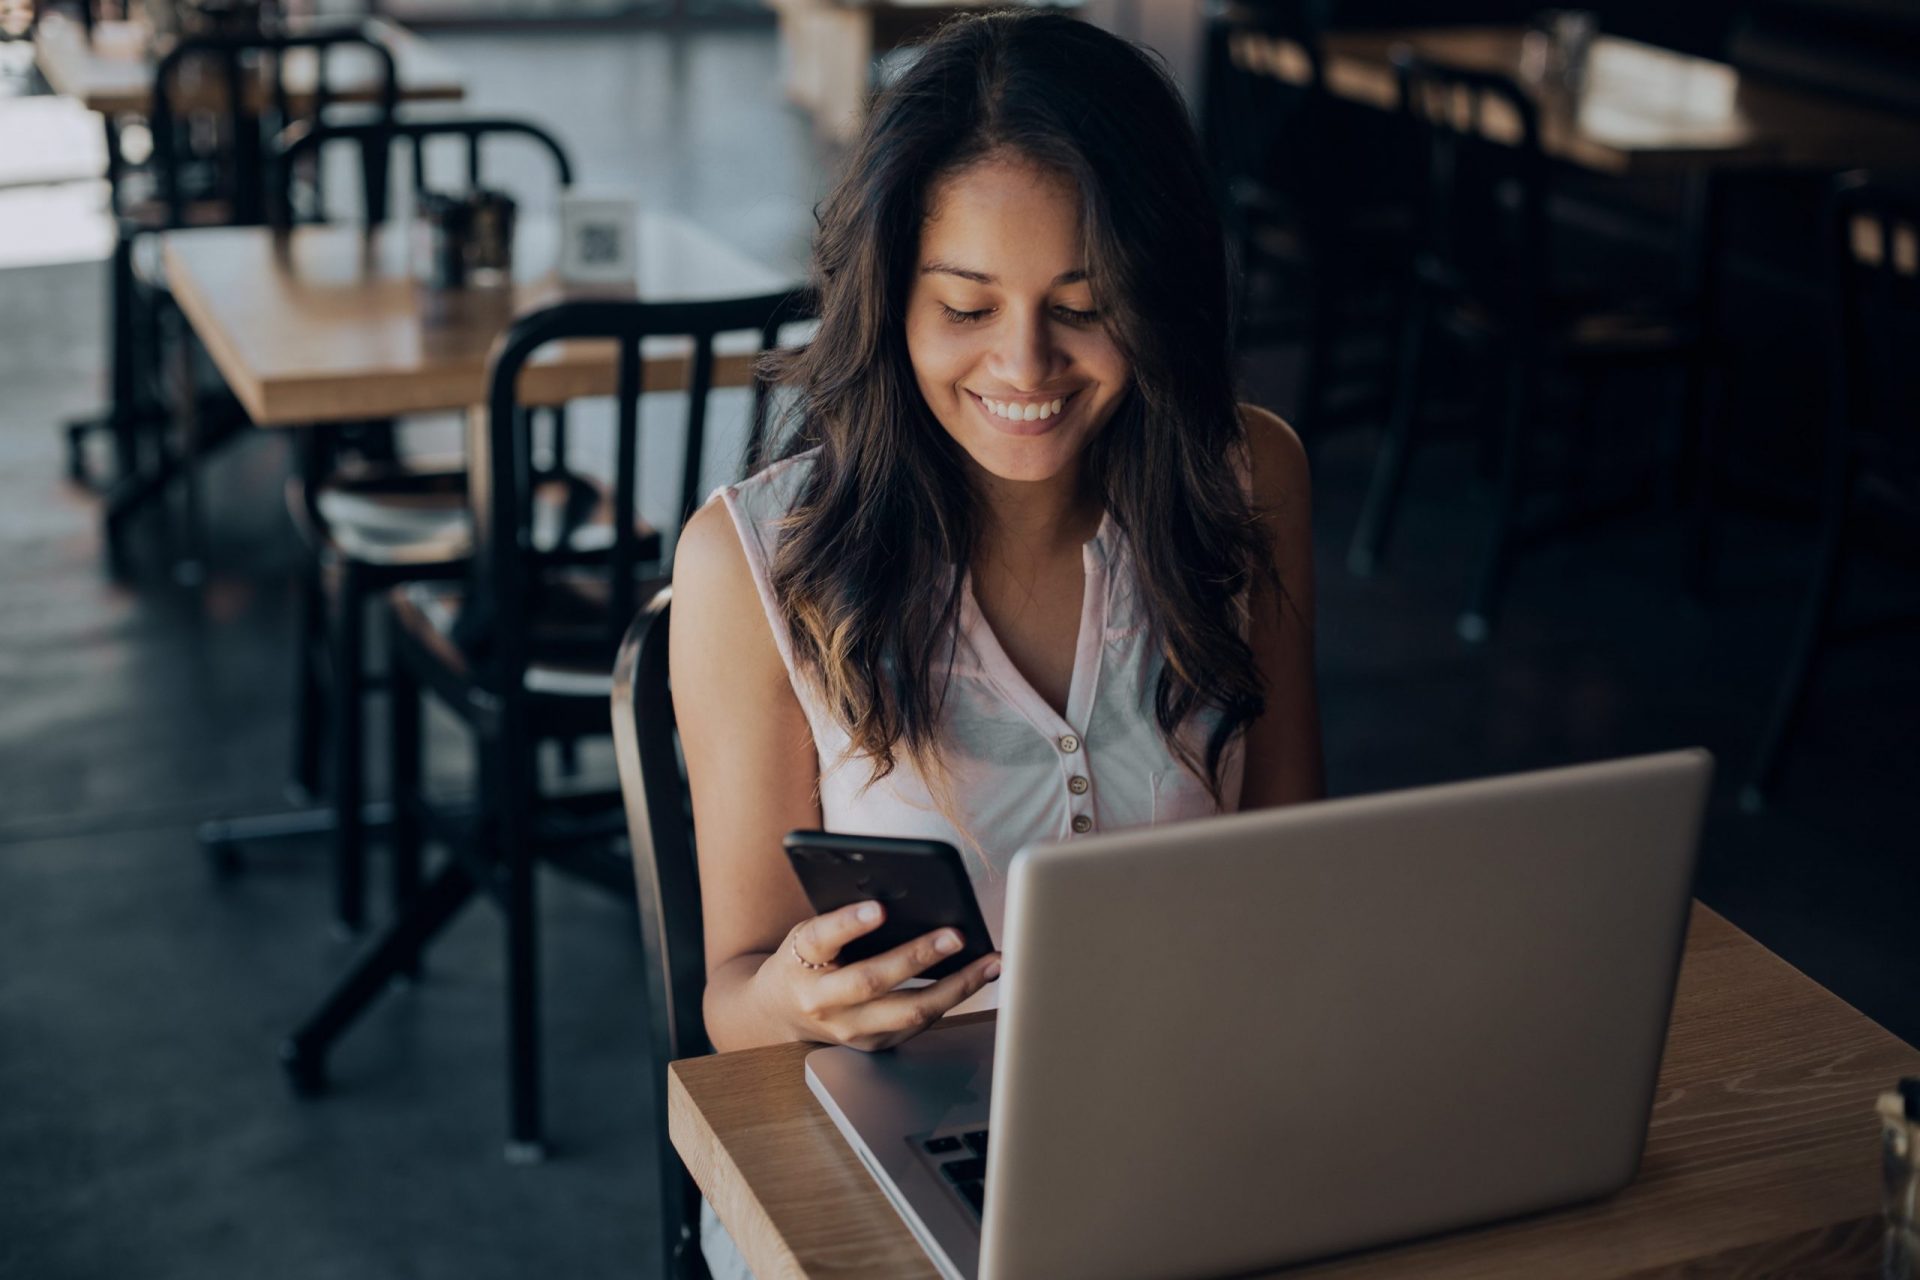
(1258, 1039)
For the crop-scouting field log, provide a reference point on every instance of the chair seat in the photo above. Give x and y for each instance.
(417, 514)
(571, 657)
(393, 515)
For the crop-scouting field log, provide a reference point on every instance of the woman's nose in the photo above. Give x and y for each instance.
(1025, 355)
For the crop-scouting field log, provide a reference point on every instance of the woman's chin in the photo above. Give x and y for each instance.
(1030, 460)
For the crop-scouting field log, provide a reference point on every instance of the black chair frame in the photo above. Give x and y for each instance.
(1868, 223)
(338, 587)
(375, 140)
(480, 670)
(1297, 227)
(138, 416)
(666, 877)
(1500, 300)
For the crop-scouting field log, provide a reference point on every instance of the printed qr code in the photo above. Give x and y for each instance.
(599, 244)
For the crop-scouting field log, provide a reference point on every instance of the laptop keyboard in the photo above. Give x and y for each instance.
(961, 1159)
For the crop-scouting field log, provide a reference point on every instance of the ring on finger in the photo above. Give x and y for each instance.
(813, 965)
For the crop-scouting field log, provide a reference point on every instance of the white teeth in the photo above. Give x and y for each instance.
(1023, 413)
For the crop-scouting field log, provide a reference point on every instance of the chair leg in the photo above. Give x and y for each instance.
(510, 761)
(686, 1261)
(305, 1052)
(349, 832)
(403, 763)
(1791, 701)
(309, 708)
(1476, 623)
(1390, 467)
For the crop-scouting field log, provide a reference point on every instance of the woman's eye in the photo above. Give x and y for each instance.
(963, 317)
(1073, 316)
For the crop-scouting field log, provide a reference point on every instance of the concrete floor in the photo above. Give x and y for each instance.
(146, 1127)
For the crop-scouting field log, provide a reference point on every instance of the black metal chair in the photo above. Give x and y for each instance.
(522, 653)
(1485, 272)
(372, 522)
(215, 99)
(667, 879)
(1872, 439)
(1319, 257)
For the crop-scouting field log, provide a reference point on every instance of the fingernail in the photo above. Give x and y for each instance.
(993, 971)
(868, 912)
(947, 943)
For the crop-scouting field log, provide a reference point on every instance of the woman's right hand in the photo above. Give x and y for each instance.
(857, 1004)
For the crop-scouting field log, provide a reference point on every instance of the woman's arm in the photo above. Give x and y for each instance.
(1283, 745)
(754, 775)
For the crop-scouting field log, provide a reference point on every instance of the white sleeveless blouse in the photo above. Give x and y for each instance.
(1019, 772)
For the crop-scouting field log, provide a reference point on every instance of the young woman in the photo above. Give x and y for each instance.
(1027, 572)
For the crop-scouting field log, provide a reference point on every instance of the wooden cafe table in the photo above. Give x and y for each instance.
(1643, 109)
(326, 324)
(1762, 1160)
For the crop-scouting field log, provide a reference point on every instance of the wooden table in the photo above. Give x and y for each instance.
(113, 74)
(1763, 1157)
(1644, 109)
(327, 324)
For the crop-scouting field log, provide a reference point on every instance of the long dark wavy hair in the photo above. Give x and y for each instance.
(869, 567)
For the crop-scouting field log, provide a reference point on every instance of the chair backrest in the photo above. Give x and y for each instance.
(666, 877)
(653, 781)
(1482, 215)
(1265, 107)
(511, 574)
(1875, 254)
(375, 140)
(800, 306)
(247, 95)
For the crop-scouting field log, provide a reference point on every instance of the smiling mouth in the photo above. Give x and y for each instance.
(1024, 412)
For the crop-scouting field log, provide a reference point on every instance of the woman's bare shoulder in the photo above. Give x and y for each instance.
(715, 597)
(708, 556)
(1280, 476)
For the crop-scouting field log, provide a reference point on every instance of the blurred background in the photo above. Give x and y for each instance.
(1599, 326)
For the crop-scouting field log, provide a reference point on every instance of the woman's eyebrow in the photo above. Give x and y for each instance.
(937, 268)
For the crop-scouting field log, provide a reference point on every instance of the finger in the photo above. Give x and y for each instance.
(820, 938)
(905, 1013)
(873, 977)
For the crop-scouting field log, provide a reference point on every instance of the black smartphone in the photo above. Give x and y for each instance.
(922, 884)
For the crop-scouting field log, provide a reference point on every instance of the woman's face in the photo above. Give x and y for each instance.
(1007, 345)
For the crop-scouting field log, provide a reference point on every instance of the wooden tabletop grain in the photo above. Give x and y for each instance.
(113, 73)
(1643, 108)
(328, 325)
(1762, 1158)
